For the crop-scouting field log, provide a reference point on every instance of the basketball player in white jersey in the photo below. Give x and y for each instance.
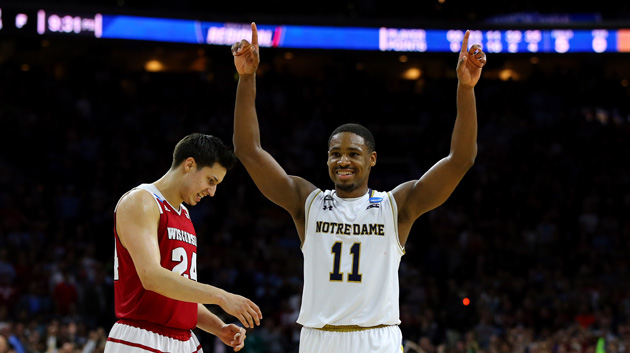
(353, 237)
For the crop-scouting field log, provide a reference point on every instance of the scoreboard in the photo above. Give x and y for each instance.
(43, 22)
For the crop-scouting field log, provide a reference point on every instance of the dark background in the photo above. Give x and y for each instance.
(535, 235)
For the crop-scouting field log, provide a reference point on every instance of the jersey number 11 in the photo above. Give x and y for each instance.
(355, 251)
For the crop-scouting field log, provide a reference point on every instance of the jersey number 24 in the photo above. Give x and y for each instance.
(177, 255)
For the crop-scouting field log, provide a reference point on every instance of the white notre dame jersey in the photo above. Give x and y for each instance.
(351, 257)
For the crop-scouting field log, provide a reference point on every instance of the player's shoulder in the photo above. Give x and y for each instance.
(303, 187)
(401, 191)
(137, 199)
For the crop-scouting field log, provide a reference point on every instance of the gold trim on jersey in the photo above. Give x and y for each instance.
(347, 328)
(307, 210)
(392, 202)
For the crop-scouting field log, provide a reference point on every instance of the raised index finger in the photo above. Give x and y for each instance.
(254, 35)
(465, 42)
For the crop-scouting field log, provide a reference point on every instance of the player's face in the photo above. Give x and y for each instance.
(349, 164)
(203, 182)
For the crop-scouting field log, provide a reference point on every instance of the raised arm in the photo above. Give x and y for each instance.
(137, 218)
(287, 191)
(416, 197)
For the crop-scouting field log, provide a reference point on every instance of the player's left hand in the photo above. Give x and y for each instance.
(470, 63)
(246, 54)
(233, 336)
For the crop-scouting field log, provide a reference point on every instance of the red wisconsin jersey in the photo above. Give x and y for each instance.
(178, 252)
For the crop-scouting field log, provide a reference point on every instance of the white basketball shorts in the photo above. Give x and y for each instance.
(386, 339)
(125, 338)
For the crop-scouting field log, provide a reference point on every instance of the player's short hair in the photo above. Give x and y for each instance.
(205, 149)
(358, 129)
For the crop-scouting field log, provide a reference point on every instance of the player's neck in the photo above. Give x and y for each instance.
(168, 185)
(349, 194)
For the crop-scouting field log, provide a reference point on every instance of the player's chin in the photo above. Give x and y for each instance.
(344, 185)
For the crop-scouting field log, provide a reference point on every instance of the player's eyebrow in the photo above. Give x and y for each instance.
(348, 148)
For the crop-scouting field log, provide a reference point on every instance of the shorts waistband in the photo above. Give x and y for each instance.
(178, 334)
(348, 328)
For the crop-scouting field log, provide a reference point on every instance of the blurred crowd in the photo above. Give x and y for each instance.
(527, 256)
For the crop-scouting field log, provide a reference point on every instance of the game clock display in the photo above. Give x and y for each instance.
(42, 22)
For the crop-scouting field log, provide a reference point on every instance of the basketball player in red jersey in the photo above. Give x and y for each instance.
(158, 300)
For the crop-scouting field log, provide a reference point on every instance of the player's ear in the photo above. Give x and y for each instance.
(189, 164)
(373, 158)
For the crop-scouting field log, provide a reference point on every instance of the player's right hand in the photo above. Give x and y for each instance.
(245, 310)
(246, 54)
